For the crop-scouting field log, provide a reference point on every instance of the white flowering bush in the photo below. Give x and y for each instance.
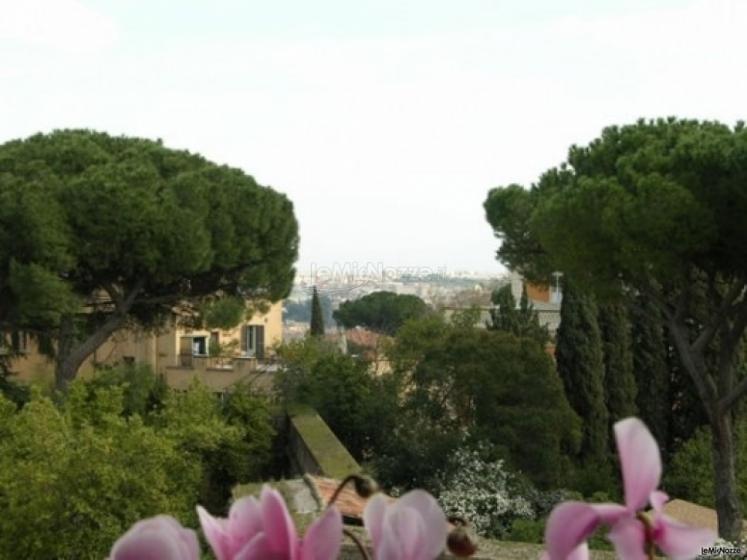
(483, 492)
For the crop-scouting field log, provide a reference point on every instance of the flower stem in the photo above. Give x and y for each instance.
(649, 532)
(364, 487)
(348, 533)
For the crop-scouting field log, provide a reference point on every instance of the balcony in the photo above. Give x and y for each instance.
(221, 373)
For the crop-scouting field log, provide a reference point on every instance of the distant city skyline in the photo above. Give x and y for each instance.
(387, 122)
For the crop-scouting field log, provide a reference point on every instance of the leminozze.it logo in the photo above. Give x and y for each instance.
(723, 551)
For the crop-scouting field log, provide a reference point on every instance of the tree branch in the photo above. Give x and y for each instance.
(718, 318)
(693, 364)
(113, 293)
(733, 337)
(76, 355)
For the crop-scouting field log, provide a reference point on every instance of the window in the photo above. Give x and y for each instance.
(253, 341)
(193, 346)
(15, 341)
(19, 341)
(199, 345)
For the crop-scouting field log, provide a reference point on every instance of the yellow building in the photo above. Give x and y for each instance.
(219, 358)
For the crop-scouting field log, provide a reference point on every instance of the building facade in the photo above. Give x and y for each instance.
(218, 358)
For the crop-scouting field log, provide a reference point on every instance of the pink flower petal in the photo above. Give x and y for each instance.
(405, 526)
(657, 500)
(244, 522)
(629, 539)
(390, 548)
(259, 549)
(568, 526)
(679, 541)
(373, 518)
(609, 514)
(278, 525)
(435, 527)
(216, 534)
(640, 461)
(157, 538)
(581, 552)
(324, 537)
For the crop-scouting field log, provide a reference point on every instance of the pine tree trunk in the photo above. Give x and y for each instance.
(63, 369)
(728, 508)
(71, 353)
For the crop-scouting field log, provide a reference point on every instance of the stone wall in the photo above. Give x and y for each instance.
(314, 449)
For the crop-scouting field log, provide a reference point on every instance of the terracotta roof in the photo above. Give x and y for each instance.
(350, 504)
(363, 337)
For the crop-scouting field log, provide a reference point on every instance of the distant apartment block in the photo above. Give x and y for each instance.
(546, 300)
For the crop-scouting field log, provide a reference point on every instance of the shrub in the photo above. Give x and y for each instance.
(690, 473)
(75, 476)
(482, 491)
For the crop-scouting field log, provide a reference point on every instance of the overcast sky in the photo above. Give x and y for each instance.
(385, 121)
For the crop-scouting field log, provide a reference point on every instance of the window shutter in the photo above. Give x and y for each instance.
(244, 348)
(260, 330)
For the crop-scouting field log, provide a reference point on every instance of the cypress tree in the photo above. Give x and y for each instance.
(619, 381)
(581, 368)
(522, 321)
(317, 319)
(503, 316)
(650, 368)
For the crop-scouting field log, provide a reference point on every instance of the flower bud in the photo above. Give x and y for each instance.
(461, 542)
(365, 486)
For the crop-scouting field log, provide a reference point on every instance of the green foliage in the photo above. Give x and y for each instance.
(650, 368)
(83, 214)
(17, 393)
(247, 451)
(70, 486)
(522, 321)
(75, 476)
(509, 211)
(414, 451)
(223, 313)
(619, 381)
(143, 392)
(527, 530)
(355, 403)
(495, 386)
(689, 475)
(658, 206)
(594, 478)
(647, 200)
(317, 318)
(383, 311)
(581, 367)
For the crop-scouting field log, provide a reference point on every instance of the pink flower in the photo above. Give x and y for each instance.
(571, 523)
(581, 552)
(157, 538)
(264, 530)
(412, 528)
